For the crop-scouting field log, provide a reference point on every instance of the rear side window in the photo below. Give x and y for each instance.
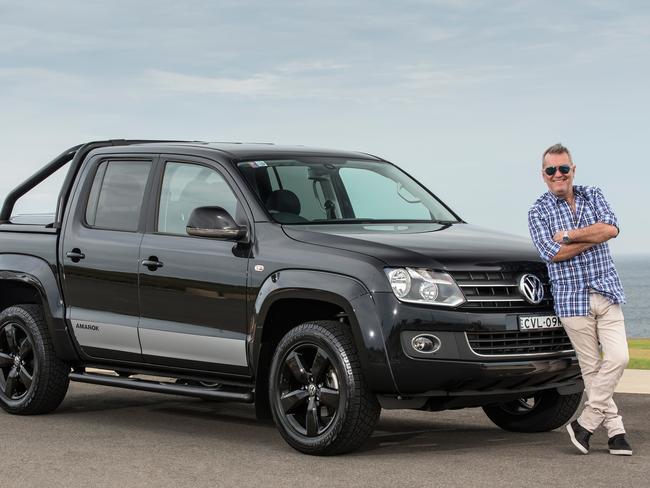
(115, 199)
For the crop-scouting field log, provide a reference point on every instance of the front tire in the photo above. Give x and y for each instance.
(319, 399)
(547, 410)
(32, 379)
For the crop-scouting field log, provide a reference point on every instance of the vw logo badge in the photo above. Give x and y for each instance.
(531, 288)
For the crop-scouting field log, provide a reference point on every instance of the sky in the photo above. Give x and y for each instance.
(464, 95)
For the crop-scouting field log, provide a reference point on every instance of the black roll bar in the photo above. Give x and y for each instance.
(49, 169)
(76, 156)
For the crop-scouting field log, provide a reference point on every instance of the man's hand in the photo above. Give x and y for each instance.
(559, 235)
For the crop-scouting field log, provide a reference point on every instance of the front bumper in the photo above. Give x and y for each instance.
(455, 370)
(487, 380)
(462, 384)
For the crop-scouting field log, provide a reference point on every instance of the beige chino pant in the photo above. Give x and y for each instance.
(602, 366)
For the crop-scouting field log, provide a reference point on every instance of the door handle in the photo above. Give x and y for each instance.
(152, 263)
(76, 255)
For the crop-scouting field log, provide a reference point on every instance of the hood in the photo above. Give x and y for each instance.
(442, 246)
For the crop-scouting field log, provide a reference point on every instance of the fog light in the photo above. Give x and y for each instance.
(425, 343)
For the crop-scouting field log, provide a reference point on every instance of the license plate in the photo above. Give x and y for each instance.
(539, 322)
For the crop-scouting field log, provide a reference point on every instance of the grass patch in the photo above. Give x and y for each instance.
(639, 354)
(638, 363)
(639, 343)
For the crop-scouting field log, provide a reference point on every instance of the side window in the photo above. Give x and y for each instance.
(188, 186)
(115, 199)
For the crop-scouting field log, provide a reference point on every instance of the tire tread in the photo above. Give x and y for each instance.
(363, 410)
(53, 378)
(558, 410)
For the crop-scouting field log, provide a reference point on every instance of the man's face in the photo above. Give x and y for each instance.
(559, 184)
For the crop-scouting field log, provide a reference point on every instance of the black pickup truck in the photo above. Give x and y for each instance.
(319, 285)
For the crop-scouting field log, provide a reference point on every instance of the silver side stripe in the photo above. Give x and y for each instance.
(104, 333)
(156, 338)
(193, 347)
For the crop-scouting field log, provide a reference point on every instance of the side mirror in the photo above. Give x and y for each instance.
(216, 223)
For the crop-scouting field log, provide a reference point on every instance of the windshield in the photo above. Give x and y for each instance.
(337, 190)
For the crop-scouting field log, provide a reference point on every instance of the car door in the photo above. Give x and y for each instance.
(193, 289)
(99, 252)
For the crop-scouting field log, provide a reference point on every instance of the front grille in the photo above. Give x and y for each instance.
(519, 342)
(498, 290)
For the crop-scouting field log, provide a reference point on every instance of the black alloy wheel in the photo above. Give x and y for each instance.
(521, 406)
(309, 395)
(18, 364)
(319, 398)
(545, 410)
(33, 380)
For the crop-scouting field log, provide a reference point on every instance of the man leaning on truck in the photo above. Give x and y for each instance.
(570, 226)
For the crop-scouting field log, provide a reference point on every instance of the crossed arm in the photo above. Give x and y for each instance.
(582, 239)
(568, 251)
(592, 234)
(550, 245)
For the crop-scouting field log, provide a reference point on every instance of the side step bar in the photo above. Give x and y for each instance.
(161, 387)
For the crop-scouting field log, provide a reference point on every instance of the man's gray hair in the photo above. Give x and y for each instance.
(557, 149)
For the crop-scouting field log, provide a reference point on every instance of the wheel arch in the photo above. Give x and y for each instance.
(290, 297)
(28, 279)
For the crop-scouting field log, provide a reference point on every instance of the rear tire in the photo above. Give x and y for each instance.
(319, 399)
(32, 379)
(545, 411)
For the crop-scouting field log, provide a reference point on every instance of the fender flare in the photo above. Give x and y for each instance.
(37, 273)
(344, 291)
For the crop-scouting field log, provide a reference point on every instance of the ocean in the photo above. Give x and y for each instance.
(634, 272)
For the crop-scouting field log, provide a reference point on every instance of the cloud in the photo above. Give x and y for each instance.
(19, 38)
(263, 84)
(20, 74)
(38, 80)
(310, 66)
(427, 77)
(325, 81)
(290, 80)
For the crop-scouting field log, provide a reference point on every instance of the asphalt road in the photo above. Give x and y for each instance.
(106, 437)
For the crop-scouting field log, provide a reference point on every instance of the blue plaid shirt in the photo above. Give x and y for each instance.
(593, 268)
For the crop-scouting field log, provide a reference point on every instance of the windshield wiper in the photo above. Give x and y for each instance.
(375, 221)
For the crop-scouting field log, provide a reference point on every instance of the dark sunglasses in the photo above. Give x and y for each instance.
(565, 169)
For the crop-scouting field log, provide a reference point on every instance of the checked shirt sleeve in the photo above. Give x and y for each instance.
(603, 210)
(541, 235)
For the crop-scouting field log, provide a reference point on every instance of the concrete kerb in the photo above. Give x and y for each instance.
(635, 381)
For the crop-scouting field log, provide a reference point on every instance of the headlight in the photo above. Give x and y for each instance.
(424, 286)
